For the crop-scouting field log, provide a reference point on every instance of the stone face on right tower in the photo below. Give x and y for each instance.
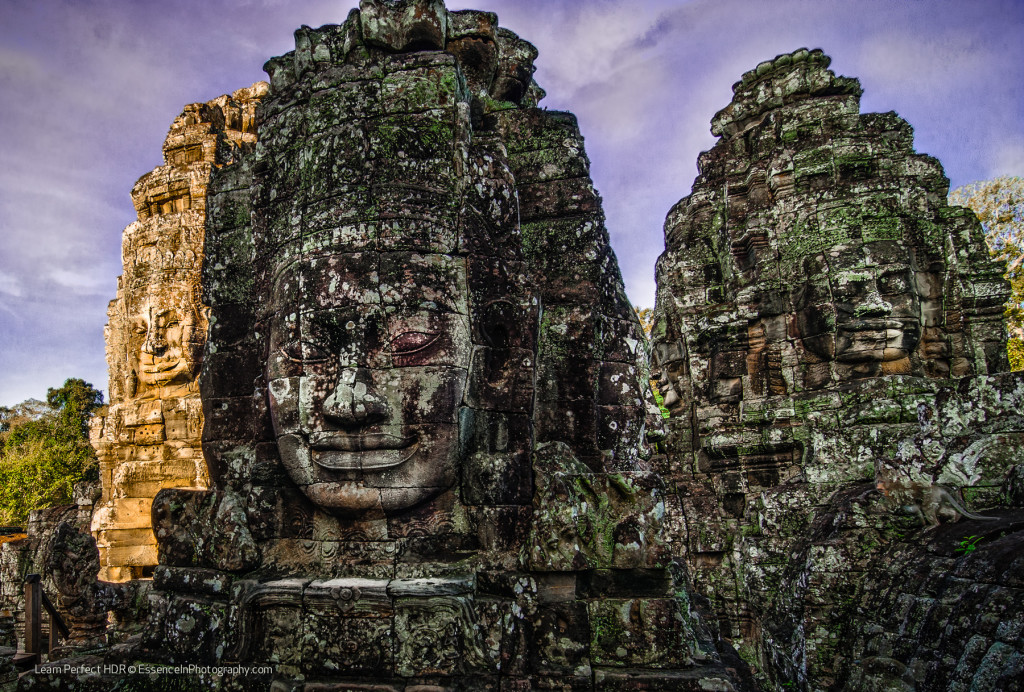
(823, 318)
(817, 248)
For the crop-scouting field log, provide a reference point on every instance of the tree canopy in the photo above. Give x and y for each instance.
(999, 205)
(45, 450)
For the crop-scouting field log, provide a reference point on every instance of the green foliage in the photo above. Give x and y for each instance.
(999, 205)
(646, 317)
(44, 449)
(1015, 352)
(660, 400)
(968, 545)
(75, 402)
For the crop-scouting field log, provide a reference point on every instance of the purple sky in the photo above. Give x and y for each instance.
(88, 90)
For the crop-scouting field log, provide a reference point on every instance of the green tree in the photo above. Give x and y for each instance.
(75, 401)
(21, 417)
(45, 450)
(999, 205)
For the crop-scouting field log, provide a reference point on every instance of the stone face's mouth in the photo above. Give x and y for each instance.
(871, 325)
(338, 451)
(159, 371)
(158, 366)
(362, 442)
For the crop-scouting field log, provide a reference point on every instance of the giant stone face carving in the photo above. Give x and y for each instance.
(369, 341)
(364, 393)
(423, 386)
(163, 346)
(834, 264)
(864, 316)
(815, 294)
(383, 259)
(150, 436)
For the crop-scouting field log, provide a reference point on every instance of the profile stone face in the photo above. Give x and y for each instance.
(150, 436)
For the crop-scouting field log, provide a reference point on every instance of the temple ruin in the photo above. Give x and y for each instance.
(382, 417)
(824, 320)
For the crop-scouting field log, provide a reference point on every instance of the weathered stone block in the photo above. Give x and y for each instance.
(559, 637)
(403, 25)
(436, 636)
(637, 632)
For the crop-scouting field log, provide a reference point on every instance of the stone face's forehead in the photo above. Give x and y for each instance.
(400, 280)
(179, 299)
(379, 165)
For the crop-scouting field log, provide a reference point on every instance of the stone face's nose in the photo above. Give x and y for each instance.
(873, 306)
(355, 401)
(155, 343)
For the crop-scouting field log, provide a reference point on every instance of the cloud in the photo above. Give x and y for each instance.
(91, 88)
(10, 285)
(1007, 157)
(81, 281)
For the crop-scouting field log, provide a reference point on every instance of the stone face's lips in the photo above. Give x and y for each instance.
(364, 442)
(871, 325)
(366, 460)
(340, 451)
(159, 366)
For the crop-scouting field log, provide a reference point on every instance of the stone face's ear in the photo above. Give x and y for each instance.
(404, 25)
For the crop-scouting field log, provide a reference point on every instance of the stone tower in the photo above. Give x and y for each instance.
(150, 436)
(818, 304)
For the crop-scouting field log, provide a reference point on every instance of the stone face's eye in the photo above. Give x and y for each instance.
(305, 352)
(409, 343)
